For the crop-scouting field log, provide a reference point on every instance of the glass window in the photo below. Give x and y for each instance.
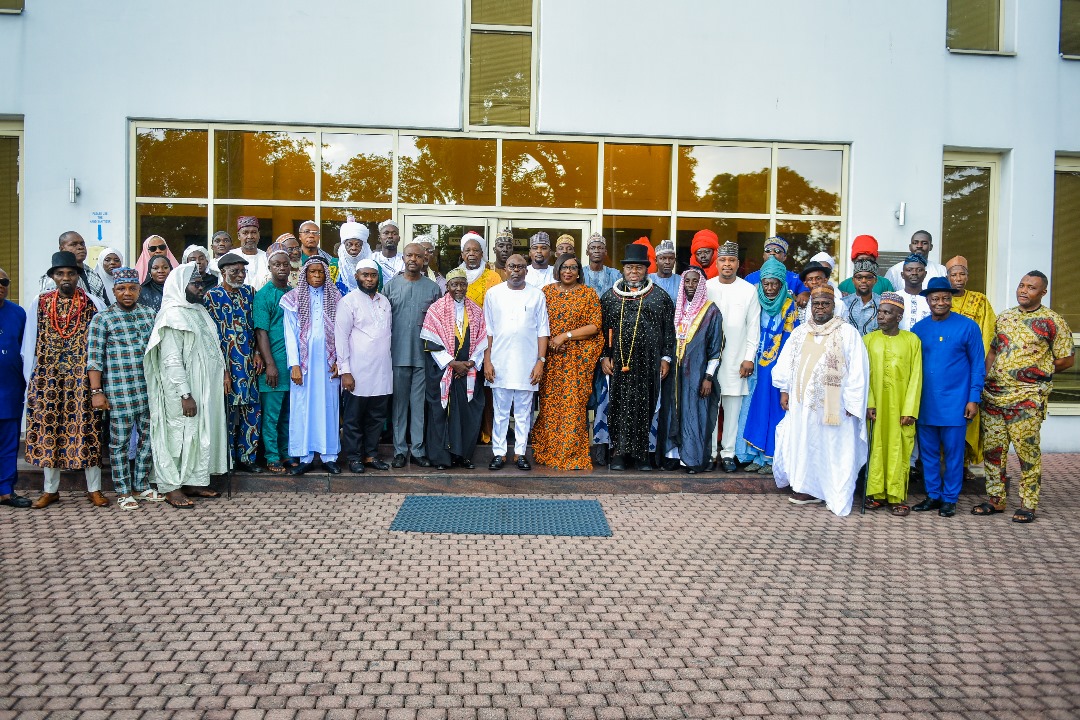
(273, 221)
(808, 181)
(332, 218)
(637, 177)
(9, 212)
(448, 241)
(806, 239)
(11, 6)
(724, 179)
(749, 234)
(1070, 28)
(965, 218)
(265, 165)
(180, 225)
(1064, 290)
(500, 79)
(358, 168)
(621, 230)
(446, 171)
(170, 162)
(502, 12)
(523, 231)
(973, 25)
(1067, 384)
(549, 174)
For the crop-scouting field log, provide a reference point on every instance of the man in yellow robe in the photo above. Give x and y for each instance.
(481, 278)
(976, 306)
(893, 405)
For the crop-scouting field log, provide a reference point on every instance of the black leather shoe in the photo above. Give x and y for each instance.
(947, 509)
(709, 466)
(356, 466)
(616, 463)
(332, 467)
(497, 463)
(399, 461)
(421, 461)
(16, 501)
(248, 467)
(465, 463)
(523, 463)
(690, 470)
(376, 464)
(644, 466)
(729, 465)
(670, 464)
(928, 504)
(300, 469)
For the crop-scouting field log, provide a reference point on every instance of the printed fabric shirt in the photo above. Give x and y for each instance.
(1027, 344)
(863, 316)
(232, 313)
(117, 343)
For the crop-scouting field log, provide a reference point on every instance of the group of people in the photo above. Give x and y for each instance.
(201, 363)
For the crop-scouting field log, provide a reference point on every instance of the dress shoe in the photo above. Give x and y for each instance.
(97, 499)
(300, 469)
(356, 466)
(45, 500)
(16, 501)
(249, 467)
(464, 462)
(616, 463)
(670, 464)
(497, 463)
(399, 461)
(710, 466)
(332, 467)
(947, 509)
(644, 466)
(421, 461)
(376, 464)
(928, 504)
(729, 465)
(523, 463)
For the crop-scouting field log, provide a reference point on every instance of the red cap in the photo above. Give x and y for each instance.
(864, 245)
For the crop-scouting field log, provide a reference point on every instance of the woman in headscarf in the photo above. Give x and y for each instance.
(561, 436)
(153, 246)
(779, 316)
(153, 287)
(207, 267)
(480, 277)
(108, 260)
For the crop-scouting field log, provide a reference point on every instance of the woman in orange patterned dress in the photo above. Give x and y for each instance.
(561, 432)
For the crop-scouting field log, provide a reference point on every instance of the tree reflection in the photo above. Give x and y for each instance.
(447, 171)
(170, 162)
(549, 174)
(265, 165)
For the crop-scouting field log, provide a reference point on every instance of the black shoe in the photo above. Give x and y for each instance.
(947, 510)
(332, 467)
(464, 462)
(644, 466)
(709, 466)
(399, 461)
(691, 470)
(670, 464)
(616, 463)
(598, 454)
(523, 463)
(376, 464)
(421, 461)
(928, 504)
(440, 466)
(16, 501)
(248, 467)
(729, 465)
(300, 469)
(356, 466)
(497, 463)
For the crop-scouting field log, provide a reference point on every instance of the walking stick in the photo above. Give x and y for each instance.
(869, 452)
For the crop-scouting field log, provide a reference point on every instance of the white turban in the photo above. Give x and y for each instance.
(352, 230)
(473, 236)
(824, 258)
(367, 264)
(388, 223)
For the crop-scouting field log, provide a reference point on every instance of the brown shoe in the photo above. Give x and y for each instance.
(46, 500)
(97, 499)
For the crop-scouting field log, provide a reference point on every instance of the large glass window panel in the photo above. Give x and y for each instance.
(9, 212)
(264, 165)
(448, 241)
(1064, 290)
(357, 167)
(180, 225)
(502, 12)
(621, 230)
(965, 219)
(171, 162)
(549, 174)
(500, 79)
(1067, 384)
(273, 220)
(1070, 28)
(523, 231)
(332, 218)
(724, 179)
(973, 25)
(637, 177)
(806, 238)
(446, 171)
(808, 181)
(749, 234)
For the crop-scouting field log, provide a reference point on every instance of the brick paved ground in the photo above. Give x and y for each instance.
(297, 606)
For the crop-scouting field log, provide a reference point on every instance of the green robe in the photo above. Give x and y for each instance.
(895, 389)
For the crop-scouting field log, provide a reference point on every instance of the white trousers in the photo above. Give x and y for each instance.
(732, 405)
(52, 479)
(521, 400)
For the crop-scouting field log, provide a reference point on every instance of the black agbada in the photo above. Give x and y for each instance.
(453, 431)
(634, 393)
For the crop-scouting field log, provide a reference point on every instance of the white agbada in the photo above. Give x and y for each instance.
(313, 406)
(258, 270)
(515, 319)
(896, 277)
(915, 308)
(741, 313)
(815, 458)
(539, 278)
(389, 266)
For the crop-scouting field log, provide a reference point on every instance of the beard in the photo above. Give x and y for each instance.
(634, 284)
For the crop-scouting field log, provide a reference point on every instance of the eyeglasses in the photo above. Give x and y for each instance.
(156, 248)
(4, 282)
(571, 267)
(516, 267)
(310, 232)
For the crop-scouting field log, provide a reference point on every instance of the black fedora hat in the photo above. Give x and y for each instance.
(64, 259)
(812, 266)
(636, 254)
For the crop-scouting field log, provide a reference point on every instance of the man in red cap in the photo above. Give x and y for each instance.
(864, 247)
(703, 251)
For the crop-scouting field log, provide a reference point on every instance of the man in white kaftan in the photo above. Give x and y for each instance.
(185, 374)
(310, 347)
(822, 374)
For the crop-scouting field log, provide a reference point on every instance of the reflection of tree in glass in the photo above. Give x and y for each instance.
(180, 225)
(965, 219)
(170, 162)
(287, 158)
(448, 171)
(548, 175)
(366, 177)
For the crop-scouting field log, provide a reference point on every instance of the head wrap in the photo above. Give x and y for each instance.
(106, 278)
(666, 247)
(773, 269)
(125, 276)
(143, 263)
(596, 238)
(298, 300)
(472, 236)
(565, 239)
(958, 260)
(778, 242)
(247, 221)
(149, 266)
(686, 311)
(864, 245)
(864, 266)
(706, 239)
(176, 312)
(352, 230)
(388, 223)
(211, 264)
(456, 273)
(825, 259)
(728, 249)
(644, 241)
(915, 258)
(540, 238)
(473, 274)
(891, 298)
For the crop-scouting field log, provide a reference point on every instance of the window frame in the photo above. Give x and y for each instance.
(533, 31)
(1063, 55)
(993, 162)
(14, 128)
(1002, 36)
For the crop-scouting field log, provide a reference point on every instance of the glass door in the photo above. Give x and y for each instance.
(524, 228)
(447, 232)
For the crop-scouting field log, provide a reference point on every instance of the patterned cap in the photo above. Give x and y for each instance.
(564, 239)
(864, 266)
(247, 221)
(666, 247)
(505, 234)
(823, 290)
(276, 249)
(456, 273)
(125, 276)
(915, 258)
(597, 238)
(540, 238)
(777, 242)
(892, 298)
(728, 249)
(196, 276)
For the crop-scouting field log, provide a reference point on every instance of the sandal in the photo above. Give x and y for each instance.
(872, 504)
(900, 510)
(276, 468)
(151, 495)
(1023, 515)
(987, 508)
(178, 500)
(127, 502)
(201, 492)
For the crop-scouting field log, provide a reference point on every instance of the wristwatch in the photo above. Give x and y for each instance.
(542, 359)
(569, 335)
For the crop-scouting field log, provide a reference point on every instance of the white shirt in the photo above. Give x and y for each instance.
(539, 278)
(515, 320)
(390, 266)
(362, 334)
(741, 315)
(896, 277)
(258, 271)
(915, 308)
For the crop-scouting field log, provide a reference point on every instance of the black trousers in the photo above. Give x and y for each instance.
(362, 425)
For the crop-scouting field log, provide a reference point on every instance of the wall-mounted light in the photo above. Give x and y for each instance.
(73, 191)
(900, 214)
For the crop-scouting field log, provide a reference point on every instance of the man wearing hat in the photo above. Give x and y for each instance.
(703, 249)
(921, 243)
(665, 276)
(865, 247)
(389, 260)
(816, 274)
(777, 248)
(503, 248)
(861, 307)
(247, 231)
(540, 273)
(63, 430)
(231, 307)
(478, 275)
(89, 281)
(114, 363)
(353, 249)
(639, 338)
(915, 306)
(954, 365)
(598, 274)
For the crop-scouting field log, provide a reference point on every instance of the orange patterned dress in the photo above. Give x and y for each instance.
(561, 432)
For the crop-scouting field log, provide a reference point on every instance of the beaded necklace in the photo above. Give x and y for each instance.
(67, 325)
(625, 358)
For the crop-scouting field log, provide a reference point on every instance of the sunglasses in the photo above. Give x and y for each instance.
(156, 248)
(4, 282)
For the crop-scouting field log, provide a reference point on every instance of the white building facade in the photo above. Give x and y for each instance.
(815, 121)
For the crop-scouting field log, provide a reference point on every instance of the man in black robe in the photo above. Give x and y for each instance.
(639, 335)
